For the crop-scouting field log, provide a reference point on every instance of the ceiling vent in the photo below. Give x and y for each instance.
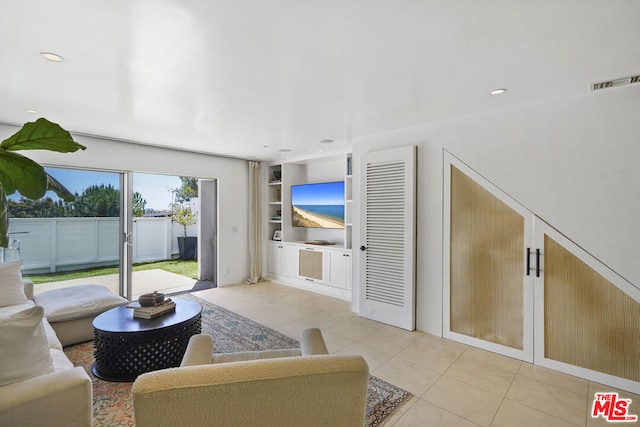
(615, 83)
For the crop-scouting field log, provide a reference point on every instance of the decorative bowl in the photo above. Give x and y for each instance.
(148, 300)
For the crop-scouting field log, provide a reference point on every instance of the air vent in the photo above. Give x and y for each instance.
(615, 83)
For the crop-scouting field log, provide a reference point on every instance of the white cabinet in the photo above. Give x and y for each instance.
(282, 259)
(338, 268)
(274, 258)
(318, 269)
(289, 259)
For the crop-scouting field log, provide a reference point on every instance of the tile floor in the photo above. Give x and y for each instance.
(453, 384)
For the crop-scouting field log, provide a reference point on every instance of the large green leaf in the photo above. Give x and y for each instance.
(19, 173)
(62, 192)
(41, 135)
(30, 180)
(23, 174)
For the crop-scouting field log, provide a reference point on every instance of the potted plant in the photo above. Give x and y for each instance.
(185, 216)
(19, 173)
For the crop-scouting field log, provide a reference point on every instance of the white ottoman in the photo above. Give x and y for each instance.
(71, 311)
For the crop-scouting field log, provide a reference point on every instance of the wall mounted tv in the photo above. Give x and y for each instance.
(318, 205)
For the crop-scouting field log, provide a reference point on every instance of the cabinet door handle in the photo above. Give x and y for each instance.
(363, 248)
(528, 261)
(537, 262)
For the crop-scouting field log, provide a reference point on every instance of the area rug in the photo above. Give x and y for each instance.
(231, 332)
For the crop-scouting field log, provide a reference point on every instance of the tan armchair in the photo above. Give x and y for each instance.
(302, 387)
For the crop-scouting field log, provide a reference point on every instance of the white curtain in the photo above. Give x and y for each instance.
(255, 227)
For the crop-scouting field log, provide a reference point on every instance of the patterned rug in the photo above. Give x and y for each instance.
(231, 333)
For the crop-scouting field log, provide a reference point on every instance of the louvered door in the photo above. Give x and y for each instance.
(388, 247)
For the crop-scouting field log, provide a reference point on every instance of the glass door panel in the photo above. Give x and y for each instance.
(158, 241)
(65, 243)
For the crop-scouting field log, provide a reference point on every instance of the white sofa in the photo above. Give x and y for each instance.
(60, 395)
(298, 387)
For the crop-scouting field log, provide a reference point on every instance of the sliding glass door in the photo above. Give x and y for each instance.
(131, 232)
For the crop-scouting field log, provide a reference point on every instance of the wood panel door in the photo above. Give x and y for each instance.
(488, 295)
(587, 316)
(516, 286)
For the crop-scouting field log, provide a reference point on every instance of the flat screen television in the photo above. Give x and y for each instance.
(318, 205)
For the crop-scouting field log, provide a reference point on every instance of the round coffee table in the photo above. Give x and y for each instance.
(125, 347)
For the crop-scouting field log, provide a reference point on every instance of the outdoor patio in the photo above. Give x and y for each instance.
(143, 282)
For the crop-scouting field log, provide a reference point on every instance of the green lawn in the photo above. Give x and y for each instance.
(187, 268)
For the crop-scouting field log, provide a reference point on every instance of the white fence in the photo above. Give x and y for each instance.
(62, 244)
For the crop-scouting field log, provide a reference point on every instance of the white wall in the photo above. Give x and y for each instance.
(574, 163)
(119, 156)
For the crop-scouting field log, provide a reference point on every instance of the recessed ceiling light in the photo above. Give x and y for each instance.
(285, 150)
(29, 110)
(498, 91)
(54, 57)
(326, 141)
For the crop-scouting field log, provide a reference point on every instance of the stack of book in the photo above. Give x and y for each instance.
(155, 310)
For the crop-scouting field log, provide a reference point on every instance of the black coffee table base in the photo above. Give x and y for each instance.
(122, 356)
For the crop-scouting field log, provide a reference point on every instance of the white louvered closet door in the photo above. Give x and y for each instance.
(387, 292)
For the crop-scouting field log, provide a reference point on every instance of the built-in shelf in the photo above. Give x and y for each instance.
(348, 205)
(283, 255)
(274, 199)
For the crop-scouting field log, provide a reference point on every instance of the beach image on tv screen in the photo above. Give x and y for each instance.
(318, 205)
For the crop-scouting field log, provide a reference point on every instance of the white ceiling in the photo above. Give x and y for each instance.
(246, 78)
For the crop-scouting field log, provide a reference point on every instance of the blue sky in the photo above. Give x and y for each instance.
(76, 181)
(155, 189)
(328, 193)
